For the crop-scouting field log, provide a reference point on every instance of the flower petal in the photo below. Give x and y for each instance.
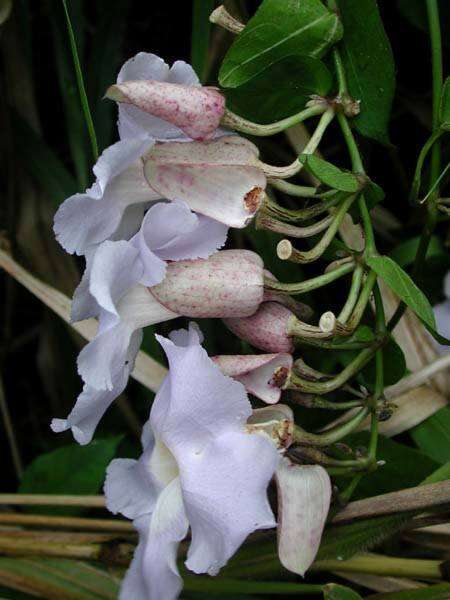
(116, 267)
(133, 121)
(225, 494)
(153, 574)
(218, 179)
(84, 305)
(259, 373)
(200, 416)
(188, 411)
(101, 359)
(170, 231)
(304, 494)
(90, 218)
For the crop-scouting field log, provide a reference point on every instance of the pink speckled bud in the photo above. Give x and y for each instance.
(196, 110)
(259, 373)
(266, 329)
(227, 284)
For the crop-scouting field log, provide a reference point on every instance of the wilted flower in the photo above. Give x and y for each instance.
(262, 375)
(200, 468)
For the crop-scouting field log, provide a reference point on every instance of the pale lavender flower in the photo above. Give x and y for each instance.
(228, 283)
(200, 468)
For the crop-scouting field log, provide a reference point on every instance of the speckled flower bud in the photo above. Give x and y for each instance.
(196, 110)
(266, 329)
(227, 284)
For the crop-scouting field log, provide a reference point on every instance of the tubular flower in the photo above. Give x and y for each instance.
(165, 103)
(200, 468)
(220, 178)
(229, 283)
(265, 329)
(262, 375)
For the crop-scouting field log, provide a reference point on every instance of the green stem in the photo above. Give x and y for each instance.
(310, 284)
(353, 293)
(238, 123)
(303, 214)
(430, 144)
(325, 387)
(310, 148)
(80, 83)
(327, 345)
(361, 304)
(383, 565)
(317, 251)
(300, 436)
(432, 211)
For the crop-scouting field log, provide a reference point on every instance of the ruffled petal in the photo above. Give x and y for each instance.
(90, 218)
(218, 179)
(116, 267)
(84, 305)
(153, 574)
(304, 494)
(111, 349)
(200, 402)
(92, 403)
(225, 494)
(144, 66)
(200, 416)
(170, 231)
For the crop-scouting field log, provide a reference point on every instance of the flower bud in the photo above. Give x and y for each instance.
(196, 110)
(266, 329)
(227, 284)
(262, 375)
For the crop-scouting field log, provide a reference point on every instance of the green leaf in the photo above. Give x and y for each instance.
(297, 77)
(58, 579)
(404, 466)
(441, 474)
(72, 469)
(333, 591)
(402, 284)
(343, 541)
(405, 253)
(369, 66)
(331, 175)
(279, 29)
(444, 110)
(201, 27)
(440, 591)
(433, 435)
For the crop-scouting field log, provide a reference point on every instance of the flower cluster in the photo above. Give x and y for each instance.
(151, 229)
